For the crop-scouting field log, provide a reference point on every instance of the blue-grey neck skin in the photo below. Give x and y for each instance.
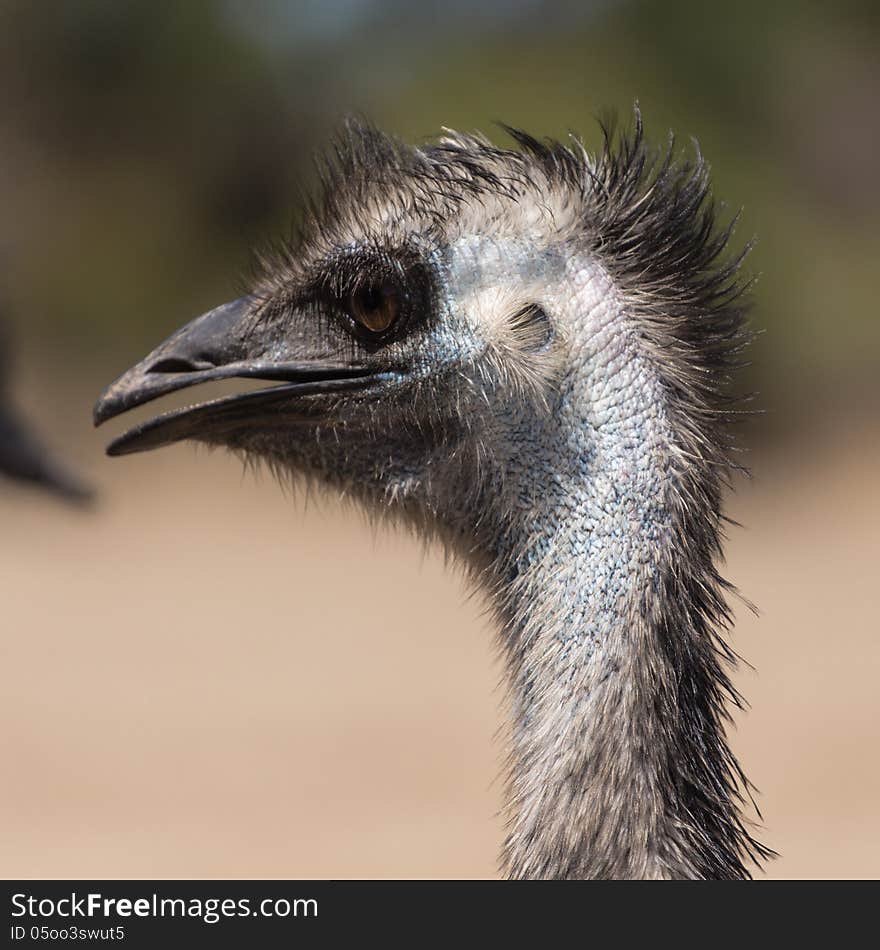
(575, 524)
(582, 521)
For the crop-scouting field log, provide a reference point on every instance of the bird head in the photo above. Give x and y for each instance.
(456, 323)
(413, 319)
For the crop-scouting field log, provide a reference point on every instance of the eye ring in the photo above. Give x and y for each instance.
(375, 308)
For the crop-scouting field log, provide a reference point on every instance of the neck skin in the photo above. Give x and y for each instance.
(609, 764)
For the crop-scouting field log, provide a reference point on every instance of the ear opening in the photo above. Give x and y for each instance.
(532, 329)
(527, 352)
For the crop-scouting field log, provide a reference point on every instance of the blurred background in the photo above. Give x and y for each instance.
(185, 690)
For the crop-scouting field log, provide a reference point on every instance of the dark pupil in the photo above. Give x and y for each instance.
(372, 298)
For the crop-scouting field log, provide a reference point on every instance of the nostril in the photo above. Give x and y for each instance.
(175, 364)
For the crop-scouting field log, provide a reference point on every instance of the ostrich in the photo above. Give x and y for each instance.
(522, 353)
(23, 457)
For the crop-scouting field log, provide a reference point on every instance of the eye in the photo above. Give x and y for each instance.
(375, 307)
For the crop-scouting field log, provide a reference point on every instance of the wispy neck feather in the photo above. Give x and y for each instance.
(608, 597)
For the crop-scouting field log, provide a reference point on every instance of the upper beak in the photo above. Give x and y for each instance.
(211, 347)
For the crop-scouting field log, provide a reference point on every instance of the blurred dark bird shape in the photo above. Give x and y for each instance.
(23, 456)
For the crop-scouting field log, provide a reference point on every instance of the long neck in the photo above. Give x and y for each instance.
(618, 762)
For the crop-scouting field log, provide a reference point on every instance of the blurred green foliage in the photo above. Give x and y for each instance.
(145, 147)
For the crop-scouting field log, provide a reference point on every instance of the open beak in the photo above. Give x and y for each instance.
(212, 347)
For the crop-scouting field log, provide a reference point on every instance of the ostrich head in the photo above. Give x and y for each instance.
(521, 351)
(417, 328)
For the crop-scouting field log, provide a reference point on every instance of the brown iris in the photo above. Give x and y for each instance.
(375, 307)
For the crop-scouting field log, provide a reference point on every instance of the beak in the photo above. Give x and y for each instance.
(216, 346)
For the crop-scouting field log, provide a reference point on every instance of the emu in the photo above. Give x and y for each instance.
(23, 457)
(524, 354)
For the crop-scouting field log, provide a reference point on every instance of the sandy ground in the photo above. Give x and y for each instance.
(200, 680)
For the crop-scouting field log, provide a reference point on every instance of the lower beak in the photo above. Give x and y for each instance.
(213, 347)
